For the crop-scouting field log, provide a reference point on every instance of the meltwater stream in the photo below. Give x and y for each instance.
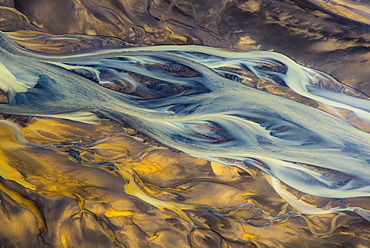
(205, 101)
